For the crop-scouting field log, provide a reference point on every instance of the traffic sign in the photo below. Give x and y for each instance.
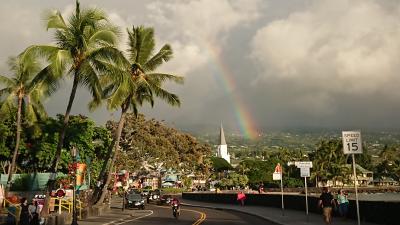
(276, 176)
(352, 142)
(304, 164)
(304, 171)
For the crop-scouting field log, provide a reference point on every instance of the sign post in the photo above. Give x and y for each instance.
(304, 172)
(352, 145)
(277, 175)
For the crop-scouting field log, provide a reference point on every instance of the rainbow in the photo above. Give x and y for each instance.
(247, 125)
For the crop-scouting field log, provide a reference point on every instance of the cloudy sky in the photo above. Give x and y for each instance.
(273, 63)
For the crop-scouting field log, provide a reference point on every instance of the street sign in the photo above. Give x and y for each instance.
(352, 142)
(304, 164)
(276, 176)
(304, 171)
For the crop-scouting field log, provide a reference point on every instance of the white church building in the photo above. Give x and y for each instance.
(222, 150)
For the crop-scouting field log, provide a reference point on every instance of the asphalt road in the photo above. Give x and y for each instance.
(162, 215)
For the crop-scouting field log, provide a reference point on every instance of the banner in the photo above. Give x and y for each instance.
(80, 173)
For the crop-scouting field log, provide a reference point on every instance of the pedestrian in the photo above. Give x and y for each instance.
(34, 211)
(25, 214)
(343, 203)
(326, 202)
(241, 197)
(261, 188)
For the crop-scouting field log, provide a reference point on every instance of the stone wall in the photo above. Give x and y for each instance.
(371, 211)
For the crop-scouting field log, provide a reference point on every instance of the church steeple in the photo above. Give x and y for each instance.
(222, 136)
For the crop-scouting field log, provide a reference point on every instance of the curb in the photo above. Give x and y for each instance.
(234, 210)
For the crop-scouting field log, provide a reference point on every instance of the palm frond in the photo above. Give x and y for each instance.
(164, 55)
(162, 77)
(7, 81)
(55, 20)
(144, 44)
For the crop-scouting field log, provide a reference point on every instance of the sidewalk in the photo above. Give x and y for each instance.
(290, 217)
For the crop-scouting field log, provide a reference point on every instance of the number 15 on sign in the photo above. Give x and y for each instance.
(352, 142)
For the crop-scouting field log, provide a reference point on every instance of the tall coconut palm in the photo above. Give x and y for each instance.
(22, 92)
(81, 41)
(134, 82)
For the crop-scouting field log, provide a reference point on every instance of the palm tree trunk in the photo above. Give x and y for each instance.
(60, 144)
(117, 137)
(17, 140)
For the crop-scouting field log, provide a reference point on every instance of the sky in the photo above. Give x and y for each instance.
(252, 65)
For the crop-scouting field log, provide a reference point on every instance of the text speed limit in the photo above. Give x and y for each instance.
(352, 142)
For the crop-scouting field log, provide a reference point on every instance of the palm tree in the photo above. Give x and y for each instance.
(133, 83)
(22, 92)
(85, 38)
(82, 42)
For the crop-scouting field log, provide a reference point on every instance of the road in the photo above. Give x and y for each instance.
(162, 215)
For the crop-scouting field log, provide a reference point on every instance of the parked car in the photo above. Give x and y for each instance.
(134, 200)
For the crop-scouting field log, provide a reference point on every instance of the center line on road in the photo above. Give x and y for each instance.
(203, 216)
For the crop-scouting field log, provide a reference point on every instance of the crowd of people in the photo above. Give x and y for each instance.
(329, 203)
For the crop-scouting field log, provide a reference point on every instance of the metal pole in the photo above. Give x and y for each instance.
(74, 219)
(283, 206)
(305, 185)
(355, 187)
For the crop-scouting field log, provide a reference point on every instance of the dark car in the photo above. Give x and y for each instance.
(165, 200)
(154, 196)
(134, 200)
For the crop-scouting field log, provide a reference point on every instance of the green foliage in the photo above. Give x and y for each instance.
(329, 161)
(22, 183)
(172, 190)
(220, 164)
(153, 142)
(187, 182)
(259, 171)
(91, 141)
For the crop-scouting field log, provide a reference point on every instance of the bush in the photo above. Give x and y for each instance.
(22, 183)
(172, 190)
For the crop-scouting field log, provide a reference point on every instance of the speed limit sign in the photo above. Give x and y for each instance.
(352, 142)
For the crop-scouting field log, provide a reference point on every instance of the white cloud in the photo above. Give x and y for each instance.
(341, 46)
(190, 26)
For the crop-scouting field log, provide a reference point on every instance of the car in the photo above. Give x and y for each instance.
(134, 200)
(153, 196)
(145, 192)
(165, 200)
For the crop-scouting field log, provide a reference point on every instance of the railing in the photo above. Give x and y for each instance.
(6, 203)
(66, 205)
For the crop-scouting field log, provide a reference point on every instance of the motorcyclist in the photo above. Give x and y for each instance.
(175, 202)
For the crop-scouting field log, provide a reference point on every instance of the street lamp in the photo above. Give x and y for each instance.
(74, 219)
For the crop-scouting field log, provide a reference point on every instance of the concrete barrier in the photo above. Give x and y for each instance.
(370, 211)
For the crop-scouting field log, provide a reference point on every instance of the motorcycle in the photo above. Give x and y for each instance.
(175, 210)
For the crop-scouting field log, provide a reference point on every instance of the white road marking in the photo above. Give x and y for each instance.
(121, 221)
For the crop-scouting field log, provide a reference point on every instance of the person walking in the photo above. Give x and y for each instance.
(25, 214)
(343, 203)
(326, 202)
(241, 197)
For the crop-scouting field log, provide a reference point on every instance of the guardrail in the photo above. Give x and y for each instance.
(6, 204)
(66, 205)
